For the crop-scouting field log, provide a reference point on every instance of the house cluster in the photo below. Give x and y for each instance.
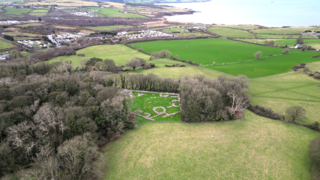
(193, 28)
(64, 38)
(9, 22)
(33, 44)
(85, 12)
(143, 34)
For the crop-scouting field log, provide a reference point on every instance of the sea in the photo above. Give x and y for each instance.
(268, 13)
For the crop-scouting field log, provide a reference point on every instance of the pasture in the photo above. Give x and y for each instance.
(182, 32)
(144, 104)
(254, 148)
(285, 90)
(119, 53)
(291, 30)
(231, 57)
(39, 12)
(107, 28)
(227, 32)
(314, 43)
(5, 45)
(109, 12)
(265, 36)
(10, 11)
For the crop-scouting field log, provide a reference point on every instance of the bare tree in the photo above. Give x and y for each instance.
(135, 62)
(296, 113)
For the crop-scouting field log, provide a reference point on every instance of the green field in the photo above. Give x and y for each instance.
(291, 30)
(107, 28)
(10, 11)
(109, 12)
(5, 45)
(315, 43)
(283, 36)
(315, 66)
(182, 32)
(39, 12)
(227, 32)
(254, 148)
(207, 51)
(147, 101)
(285, 90)
(119, 53)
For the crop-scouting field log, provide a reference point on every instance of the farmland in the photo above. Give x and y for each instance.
(119, 53)
(203, 151)
(239, 59)
(285, 90)
(109, 12)
(39, 12)
(5, 45)
(107, 28)
(291, 30)
(283, 36)
(227, 32)
(182, 32)
(10, 11)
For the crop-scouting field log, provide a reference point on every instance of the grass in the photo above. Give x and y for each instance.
(5, 45)
(285, 90)
(109, 12)
(315, 43)
(230, 32)
(315, 66)
(283, 36)
(148, 101)
(177, 72)
(183, 33)
(39, 12)
(291, 30)
(255, 148)
(10, 11)
(119, 53)
(207, 51)
(107, 28)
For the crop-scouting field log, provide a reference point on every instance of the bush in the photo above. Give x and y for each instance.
(285, 51)
(314, 151)
(258, 55)
(82, 55)
(265, 112)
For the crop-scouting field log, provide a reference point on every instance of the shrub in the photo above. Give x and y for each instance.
(285, 51)
(265, 112)
(314, 150)
(317, 75)
(82, 55)
(258, 55)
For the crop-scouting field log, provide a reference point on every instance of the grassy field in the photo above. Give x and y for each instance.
(39, 12)
(5, 45)
(10, 11)
(177, 72)
(109, 12)
(119, 53)
(240, 26)
(107, 28)
(147, 101)
(291, 30)
(207, 51)
(255, 148)
(183, 33)
(285, 90)
(62, 3)
(227, 32)
(315, 66)
(315, 43)
(283, 36)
